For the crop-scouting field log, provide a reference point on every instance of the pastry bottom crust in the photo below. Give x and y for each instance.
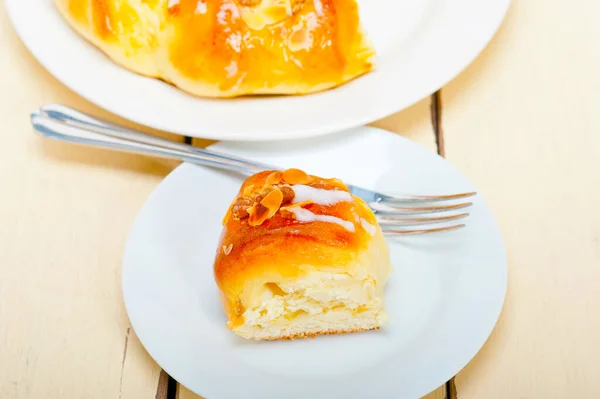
(314, 335)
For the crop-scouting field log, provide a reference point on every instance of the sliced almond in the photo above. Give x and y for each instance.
(274, 178)
(261, 194)
(273, 200)
(227, 249)
(297, 204)
(248, 190)
(337, 183)
(296, 176)
(258, 214)
(328, 184)
(266, 208)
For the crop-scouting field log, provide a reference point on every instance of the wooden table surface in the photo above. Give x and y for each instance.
(522, 122)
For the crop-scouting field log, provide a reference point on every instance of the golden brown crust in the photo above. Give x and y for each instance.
(282, 246)
(225, 48)
(126, 31)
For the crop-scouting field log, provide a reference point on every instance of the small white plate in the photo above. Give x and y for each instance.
(444, 296)
(421, 46)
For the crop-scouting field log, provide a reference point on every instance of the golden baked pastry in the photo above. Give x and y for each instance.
(299, 256)
(226, 48)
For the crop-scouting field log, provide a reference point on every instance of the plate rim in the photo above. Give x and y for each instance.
(391, 106)
(499, 302)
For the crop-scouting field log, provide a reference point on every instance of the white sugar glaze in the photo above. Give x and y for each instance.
(319, 196)
(368, 227)
(304, 215)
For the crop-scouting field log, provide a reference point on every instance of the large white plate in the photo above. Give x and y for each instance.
(422, 44)
(444, 296)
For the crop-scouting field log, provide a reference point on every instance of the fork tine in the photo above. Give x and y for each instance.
(389, 221)
(382, 209)
(411, 199)
(422, 231)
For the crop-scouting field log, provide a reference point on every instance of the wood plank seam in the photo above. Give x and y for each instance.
(123, 361)
(436, 121)
(451, 392)
(162, 390)
(172, 388)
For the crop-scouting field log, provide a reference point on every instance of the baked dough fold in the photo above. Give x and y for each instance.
(300, 256)
(228, 48)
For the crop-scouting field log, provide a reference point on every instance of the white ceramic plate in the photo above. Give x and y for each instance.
(444, 296)
(421, 44)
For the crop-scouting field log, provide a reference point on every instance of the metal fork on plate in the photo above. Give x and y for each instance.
(398, 215)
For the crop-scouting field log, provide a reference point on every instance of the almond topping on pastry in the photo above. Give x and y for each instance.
(258, 197)
(273, 201)
(248, 190)
(258, 214)
(227, 249)
(297, 204)
(330, 183)
(339, 248)
(267, 207)
(274, 178)
(241, 206)
(296, 176)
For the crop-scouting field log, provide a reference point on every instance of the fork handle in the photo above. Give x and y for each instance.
(63, 123)
(77, 118)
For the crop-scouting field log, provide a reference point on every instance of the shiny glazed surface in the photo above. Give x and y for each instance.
(283, 247)
(224, 48)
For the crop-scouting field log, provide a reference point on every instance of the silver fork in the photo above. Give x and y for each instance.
(398, 215)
